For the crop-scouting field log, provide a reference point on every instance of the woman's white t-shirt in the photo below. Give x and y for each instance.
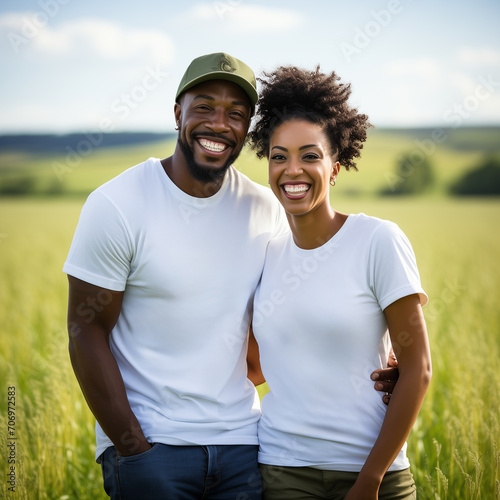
(318, 319)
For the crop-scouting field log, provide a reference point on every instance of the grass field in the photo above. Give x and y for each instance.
(77, 170)
(455, 446)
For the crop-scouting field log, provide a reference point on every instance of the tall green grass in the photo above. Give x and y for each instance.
(454, 447)
(54, 427)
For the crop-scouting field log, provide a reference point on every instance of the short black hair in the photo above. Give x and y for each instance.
(293, 93)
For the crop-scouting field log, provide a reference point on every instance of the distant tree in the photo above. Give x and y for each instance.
(414, 174)
(481, 180)
(18, 186)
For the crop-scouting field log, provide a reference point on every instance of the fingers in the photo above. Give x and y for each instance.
(386, 379)
(385, 386)
(392, 361)
(391, 374)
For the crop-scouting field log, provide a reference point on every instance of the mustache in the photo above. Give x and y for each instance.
(223, 139)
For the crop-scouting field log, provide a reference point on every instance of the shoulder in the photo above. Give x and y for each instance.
(260, 202)
(278, 247)
(131, 179)
(252, 189)
(375, 228)
(129, 190)
(386, 241)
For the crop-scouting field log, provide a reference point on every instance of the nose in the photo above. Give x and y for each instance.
(218, 121)
(293, 168)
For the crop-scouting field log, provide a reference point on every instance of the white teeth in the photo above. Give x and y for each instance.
(296, 188)
(212, 146)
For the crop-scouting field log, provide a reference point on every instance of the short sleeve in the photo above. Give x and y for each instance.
(102, 248)
(393, 268)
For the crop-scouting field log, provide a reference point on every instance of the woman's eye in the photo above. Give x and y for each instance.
(311, 156)
(277, 157)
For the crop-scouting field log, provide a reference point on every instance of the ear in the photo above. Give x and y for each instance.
(335, 169)
(177, 112)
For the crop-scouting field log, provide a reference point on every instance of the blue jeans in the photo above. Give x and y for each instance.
(183, 473)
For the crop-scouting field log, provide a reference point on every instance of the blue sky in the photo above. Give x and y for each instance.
(70, 65)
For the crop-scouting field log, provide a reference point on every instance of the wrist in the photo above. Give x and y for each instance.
(369, 481)
(133, 448)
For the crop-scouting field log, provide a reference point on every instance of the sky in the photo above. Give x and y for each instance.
(93, 65)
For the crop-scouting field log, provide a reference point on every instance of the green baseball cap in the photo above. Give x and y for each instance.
(219, 66)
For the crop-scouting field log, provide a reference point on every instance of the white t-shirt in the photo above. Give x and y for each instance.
(189, 268)
(321, 331)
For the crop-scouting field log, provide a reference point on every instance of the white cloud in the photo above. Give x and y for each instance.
(14, 20)
(423, 68)
(246, 19)
(475, 57)
(404, 108)
(98, 37)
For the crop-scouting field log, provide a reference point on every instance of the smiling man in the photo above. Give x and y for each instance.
(162, 268)
(162, 271)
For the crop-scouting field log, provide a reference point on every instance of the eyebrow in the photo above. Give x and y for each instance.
(300, 149)
(211, 98)
(203, 96)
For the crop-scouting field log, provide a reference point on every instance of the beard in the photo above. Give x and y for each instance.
(201, 173)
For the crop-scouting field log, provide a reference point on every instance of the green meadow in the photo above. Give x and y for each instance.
(454, 448)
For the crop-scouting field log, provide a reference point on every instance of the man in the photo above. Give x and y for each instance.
(162, 271)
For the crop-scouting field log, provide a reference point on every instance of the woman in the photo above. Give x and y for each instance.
(334, 293)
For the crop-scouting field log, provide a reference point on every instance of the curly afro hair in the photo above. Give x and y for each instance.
(293, 93)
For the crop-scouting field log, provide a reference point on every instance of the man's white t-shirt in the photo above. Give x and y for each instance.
(319, 322)
(189, 268)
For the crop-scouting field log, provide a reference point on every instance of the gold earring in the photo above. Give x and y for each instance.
(334, 179)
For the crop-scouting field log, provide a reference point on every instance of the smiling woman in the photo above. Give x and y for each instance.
(301, 166)
(338, 321)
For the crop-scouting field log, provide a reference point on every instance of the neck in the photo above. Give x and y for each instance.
(313, 230)
(176, 168)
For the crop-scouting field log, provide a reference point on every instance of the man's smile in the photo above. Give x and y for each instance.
(212, 146)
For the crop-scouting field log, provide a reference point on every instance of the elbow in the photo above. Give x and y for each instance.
(73, 352)
(419, 372)
(426, 373)
(73, 336)
(255, 376)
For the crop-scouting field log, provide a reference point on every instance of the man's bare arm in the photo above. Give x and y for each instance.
(92, 314)
(255, 374)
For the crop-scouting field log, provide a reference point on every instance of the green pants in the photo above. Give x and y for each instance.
(306, 483)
